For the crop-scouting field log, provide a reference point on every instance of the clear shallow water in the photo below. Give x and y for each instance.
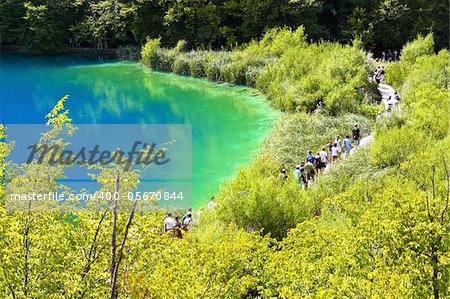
(228, 123)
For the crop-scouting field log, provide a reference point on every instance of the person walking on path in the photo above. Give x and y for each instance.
(329, 145)
(382, 74)
(318, 164)
(189, 212)
(378, 75)
(323, 159)
(309, 173)
(334, 154)
(188, 221)
(311, 158)
(169, 222)
(356, 135)
(339, 145)
(347, 145)
(177, 228)
(212, 204)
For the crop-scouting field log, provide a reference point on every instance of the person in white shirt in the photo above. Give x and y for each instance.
(323, 159)
(188, 220)
(188, 214)
(200, 211)
(334, 154)
(339, 145)
(169, 222)
(212, 204)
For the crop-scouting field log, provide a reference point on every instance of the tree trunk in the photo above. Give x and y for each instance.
(112, 266)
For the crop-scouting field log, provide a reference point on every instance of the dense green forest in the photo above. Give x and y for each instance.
(380, 24)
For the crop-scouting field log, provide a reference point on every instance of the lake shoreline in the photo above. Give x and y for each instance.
(85, 50)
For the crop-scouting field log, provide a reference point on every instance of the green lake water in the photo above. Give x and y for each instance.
(228, 123)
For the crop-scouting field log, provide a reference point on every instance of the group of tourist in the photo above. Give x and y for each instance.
(73, 43)
(176, 224)
(393, 100)
(389, 55)
(392, 103)
(306, 171)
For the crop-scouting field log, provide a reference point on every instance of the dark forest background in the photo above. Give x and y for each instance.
(218, 24)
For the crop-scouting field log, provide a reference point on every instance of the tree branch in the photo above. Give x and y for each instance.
(120, 253)
(447, 175)
(112, 265)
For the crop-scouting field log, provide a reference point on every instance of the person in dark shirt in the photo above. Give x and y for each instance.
(356, 135)
(311, 158)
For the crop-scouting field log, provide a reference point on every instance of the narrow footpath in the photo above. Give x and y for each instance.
(386, 91)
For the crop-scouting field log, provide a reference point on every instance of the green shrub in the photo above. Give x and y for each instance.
(432, 69)
(418, 168)
(421, 46)
(277, 41)
(257, 199)
(181, 46)
(251, 75)
(371, 111)
(197, 62)
(149, 52)
(181, 64)
(396, 73)
(164, 60)
(430, 110)
(394, 146)
(216, 62)
(326, 73)
(234, 72)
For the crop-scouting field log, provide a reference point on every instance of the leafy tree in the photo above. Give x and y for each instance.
(12, 26)
(422, 46)
(106, 23)
(360, 28)
(49, 23)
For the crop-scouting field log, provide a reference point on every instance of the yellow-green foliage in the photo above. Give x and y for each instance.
(395, 145)
(383, 230)
(217, 261)
(430, 110)
(375, 226)
(257, 199)
(149, 52)
(5, 149)
(421, 46)
(69, 258)
(296, 76)
(374, 241)
(307, 75)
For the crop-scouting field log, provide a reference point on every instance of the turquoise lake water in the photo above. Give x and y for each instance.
(228, 123)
